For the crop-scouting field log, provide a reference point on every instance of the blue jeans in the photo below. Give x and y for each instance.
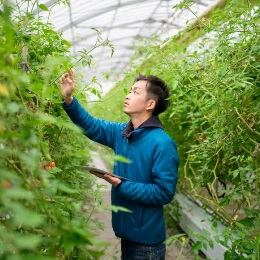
(136, 251)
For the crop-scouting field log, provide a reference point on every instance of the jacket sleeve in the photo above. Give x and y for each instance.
(164, 174)
(97, 130)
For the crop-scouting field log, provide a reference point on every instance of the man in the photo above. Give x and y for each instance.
(153, 167)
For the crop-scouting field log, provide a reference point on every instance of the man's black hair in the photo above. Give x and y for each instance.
(157, 90)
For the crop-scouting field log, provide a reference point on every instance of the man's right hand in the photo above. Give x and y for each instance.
(68, 84)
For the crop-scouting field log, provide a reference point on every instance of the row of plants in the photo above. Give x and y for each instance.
(46, 201)
(216, 123)
(213, 70)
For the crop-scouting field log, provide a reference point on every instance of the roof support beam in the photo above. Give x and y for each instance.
(99, 12)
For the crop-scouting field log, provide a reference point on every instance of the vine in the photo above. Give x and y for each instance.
(44, 197)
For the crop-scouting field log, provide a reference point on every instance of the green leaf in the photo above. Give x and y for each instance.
(205, 246)
(117, 208)
(24, 216)
(65, 188)
(206, 232)
(211, 244)
(69, 244)
(217, 239)
(235, 173)
(27, 241)
(224, 202)
(18, 193)
(148, 72)
(31, 158)
(239, 225)
(43, 7)
(248, 222)
(175, 84)
(13, 107)
(122, 159)
(222, 72)
(183, 5)
(196, 247)
(258, 239)
(250, 212)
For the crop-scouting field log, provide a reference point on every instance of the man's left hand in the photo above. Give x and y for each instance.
(110, 179)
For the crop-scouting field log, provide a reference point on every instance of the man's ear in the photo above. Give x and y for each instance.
(150, 104)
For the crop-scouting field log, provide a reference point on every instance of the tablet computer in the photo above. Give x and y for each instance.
(89, 168)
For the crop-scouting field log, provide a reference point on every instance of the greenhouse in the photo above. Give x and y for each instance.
(130, 129)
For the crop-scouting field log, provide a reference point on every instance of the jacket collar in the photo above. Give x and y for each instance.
(152, 122)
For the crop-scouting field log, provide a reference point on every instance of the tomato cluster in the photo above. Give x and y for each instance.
(49, 166)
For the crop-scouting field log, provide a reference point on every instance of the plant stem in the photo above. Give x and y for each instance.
(95, 46)
(244, 121)
(180, 254)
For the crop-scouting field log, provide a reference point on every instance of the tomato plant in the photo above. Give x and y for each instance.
(45, 200)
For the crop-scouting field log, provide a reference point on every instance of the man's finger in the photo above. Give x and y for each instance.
(109, 177)
(71, 74)
(69, 80)
(63, 76)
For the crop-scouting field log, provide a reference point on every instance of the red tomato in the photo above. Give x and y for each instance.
(52, 164)
(8, 185)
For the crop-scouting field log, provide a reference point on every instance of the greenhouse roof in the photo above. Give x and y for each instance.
(122, 22)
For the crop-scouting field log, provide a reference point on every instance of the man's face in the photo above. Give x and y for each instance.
(136, 101)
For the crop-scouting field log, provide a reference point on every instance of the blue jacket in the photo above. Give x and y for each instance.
(152, 171)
